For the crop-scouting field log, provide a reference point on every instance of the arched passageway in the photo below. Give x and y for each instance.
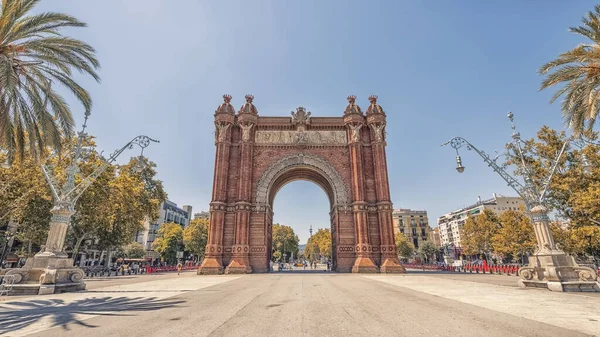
(256, 156)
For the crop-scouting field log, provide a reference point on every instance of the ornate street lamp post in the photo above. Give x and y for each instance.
(549, 266)
(51, 266)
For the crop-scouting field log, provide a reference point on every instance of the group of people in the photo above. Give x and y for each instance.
(313, 265)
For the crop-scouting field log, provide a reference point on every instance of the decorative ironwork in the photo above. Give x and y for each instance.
(66, 196)
(527, 190)
(458, 142)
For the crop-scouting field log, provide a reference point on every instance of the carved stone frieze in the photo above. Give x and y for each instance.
(311, 137)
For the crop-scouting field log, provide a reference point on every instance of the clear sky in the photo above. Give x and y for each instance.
(440, 69)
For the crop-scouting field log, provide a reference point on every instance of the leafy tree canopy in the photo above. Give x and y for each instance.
(135, 250)
(195, 237)
(285, 241)
(318, 245)
(404, 247)
(168, 241)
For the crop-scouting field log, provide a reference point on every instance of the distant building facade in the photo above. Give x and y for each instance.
(202, 215)
(450, 224)
(434, 236)
(169, 212)
(413, 224)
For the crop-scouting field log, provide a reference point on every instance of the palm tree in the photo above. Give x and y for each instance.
(579, 71)
(34, 56)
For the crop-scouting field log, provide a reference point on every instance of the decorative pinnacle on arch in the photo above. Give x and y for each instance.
(351, 99)
(227, 98)
(249, 98)
(374, 108)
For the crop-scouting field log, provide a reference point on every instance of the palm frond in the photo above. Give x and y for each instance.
(578, 70)
(34, 58)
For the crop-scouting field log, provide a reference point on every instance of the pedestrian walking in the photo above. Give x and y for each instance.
(179, 268)
(271, 265)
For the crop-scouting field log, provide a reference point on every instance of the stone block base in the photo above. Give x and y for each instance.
(210, 266)
(364, 265)
(572, 286)
(46, 274)
(238, 266)
(556, 271)
(391, 265)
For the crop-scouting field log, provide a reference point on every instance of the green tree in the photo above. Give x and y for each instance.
(427, 250)
(478, 231)
(134, 198)
(404, 247)
(112, 209)
(573, 193)
(25, 198)
(561, 237)
(34, 57)
(134, 250)
(581, 240)
(169, 241)
(578, 73)
(195, 237)
(285, 240)
(515, 236)
(93, 208)
(318, 245)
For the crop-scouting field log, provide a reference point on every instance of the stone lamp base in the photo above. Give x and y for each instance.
(558, 271)
(46, 273)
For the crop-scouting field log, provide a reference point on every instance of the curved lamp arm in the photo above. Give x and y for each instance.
(458, 142)
(142, 141)
(68, 196)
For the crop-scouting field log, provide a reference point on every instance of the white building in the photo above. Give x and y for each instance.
(450, 224)
(169, 212)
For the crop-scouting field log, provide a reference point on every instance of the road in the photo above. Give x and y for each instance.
(305, 304)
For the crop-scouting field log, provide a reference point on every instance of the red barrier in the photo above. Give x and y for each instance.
(151, 270)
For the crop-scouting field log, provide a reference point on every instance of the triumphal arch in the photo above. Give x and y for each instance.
(257, 155)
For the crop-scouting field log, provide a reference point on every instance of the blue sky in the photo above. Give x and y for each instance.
(440, 69)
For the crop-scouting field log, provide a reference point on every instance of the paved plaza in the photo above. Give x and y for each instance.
(304, 304)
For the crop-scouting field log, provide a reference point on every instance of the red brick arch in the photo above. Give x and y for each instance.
(305, 167)
(256, 156)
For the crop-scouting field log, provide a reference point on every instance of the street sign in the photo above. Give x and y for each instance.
(180, 255)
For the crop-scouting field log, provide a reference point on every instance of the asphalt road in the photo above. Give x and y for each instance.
(294, 304)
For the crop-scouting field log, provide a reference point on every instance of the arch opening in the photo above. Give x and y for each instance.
(307, 168)
(302, 205)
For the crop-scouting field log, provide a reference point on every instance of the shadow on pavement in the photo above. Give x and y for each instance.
(61, 313)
